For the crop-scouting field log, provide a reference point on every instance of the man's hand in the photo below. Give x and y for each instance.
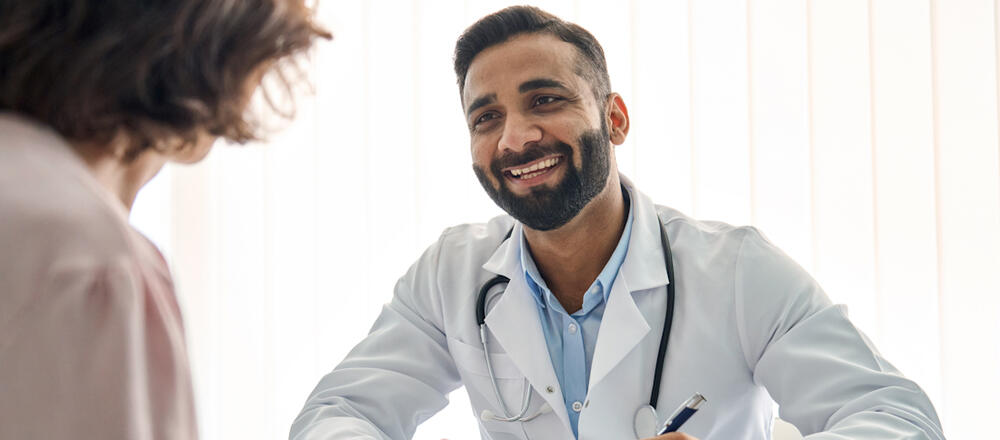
(673, 436)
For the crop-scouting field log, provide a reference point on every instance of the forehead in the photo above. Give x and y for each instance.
(506, 65)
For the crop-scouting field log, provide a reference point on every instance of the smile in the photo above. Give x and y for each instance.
(534, 170)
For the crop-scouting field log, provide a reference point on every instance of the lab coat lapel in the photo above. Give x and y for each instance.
(644, 266)
(506, 259)
(514, 324)
(623, 325)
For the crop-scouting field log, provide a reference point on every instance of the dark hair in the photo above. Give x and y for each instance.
(504, 24)
(153, 70)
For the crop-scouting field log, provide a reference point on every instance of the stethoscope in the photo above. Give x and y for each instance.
(645, 417)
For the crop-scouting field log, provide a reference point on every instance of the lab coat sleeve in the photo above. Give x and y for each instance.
(396, 377)
(827, 377)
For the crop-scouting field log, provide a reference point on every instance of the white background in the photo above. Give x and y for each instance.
(860, 135)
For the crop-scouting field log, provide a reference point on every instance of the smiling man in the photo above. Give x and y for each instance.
(589, 312)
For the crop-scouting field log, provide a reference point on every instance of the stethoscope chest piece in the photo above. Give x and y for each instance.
(645, 422)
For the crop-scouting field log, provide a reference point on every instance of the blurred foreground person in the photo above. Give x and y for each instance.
(95, 97)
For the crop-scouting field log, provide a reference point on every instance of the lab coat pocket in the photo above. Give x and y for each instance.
(471, 363)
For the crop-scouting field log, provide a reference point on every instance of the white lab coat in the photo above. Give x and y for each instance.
(749, 325)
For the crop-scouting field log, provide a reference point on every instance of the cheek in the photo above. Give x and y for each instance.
(482, 160)
(571, 135)
(481, 156)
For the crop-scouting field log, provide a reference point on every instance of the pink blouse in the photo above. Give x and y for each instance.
(91, 338)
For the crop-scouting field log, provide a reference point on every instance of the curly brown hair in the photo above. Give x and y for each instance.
(153, 70)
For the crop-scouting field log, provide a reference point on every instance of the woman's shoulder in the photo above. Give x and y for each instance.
(54, 221)
(50, 203)
(57, 216)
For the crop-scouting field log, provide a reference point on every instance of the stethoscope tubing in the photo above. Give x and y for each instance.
(668, 319)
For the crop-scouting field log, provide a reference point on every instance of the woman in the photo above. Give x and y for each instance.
(95, 97)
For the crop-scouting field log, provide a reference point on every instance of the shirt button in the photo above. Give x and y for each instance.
(572, 328)
(549, 389)
(577, 406)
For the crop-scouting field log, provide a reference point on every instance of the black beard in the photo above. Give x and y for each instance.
(546, 208)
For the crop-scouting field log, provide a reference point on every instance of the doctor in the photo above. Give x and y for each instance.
(579, 289)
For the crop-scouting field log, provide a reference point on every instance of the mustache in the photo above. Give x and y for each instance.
(511, 159)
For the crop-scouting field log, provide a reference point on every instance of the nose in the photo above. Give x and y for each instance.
(518, 132)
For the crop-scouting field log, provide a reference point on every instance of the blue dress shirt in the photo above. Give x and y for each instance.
(571, 338)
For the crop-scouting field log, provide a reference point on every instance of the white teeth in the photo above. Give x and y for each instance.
(520, 172)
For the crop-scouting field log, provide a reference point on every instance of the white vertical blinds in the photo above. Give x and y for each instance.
(860, 135)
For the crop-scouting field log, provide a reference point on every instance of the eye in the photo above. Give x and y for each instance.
(546, 99)
(485, 117)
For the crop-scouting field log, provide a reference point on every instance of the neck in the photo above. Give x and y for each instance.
(122, 178)
(571, 257)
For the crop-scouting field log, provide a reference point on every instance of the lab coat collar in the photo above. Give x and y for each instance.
(643, 266)
(506, 259)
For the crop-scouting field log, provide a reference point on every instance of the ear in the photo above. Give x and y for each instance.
(617, 119)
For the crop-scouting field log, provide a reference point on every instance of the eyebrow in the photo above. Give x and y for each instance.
(541, 83)
(479, 102)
